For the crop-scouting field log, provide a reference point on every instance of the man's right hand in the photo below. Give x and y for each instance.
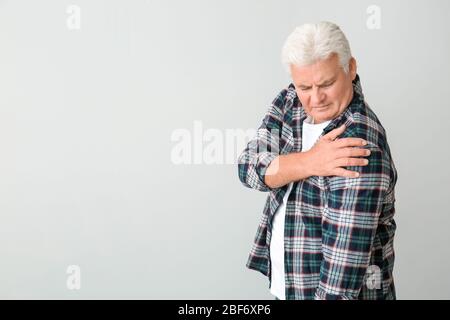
(326, 158)
(329, 155)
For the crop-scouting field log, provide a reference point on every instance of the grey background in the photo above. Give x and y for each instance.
(86, 118)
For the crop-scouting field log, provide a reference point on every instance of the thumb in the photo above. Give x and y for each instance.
(333, 134)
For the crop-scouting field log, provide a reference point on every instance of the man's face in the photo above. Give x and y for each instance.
(324, 89)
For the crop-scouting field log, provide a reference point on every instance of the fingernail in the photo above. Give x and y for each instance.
(366, 161)
(364, 142)
(356, 175)
(368, 152)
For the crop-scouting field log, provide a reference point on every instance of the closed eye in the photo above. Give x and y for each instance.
(327, 85)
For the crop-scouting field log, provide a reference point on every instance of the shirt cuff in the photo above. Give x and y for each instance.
(263, 164)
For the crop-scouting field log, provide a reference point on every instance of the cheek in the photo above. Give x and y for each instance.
(337, 90)
(332, 95)
(304, 99)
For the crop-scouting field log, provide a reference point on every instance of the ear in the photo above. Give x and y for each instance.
(352, 68)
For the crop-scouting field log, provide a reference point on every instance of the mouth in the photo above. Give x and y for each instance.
(321, 107)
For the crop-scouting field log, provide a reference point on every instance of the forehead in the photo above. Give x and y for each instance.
(317, 72)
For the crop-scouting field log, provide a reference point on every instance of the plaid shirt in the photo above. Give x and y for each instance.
(339, 231)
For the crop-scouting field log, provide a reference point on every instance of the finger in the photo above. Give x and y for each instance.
(352, 152)
(341, 172)
(348, 162)
(333, 134)
(350, 142)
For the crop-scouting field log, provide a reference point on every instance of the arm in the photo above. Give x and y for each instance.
(263, 149)
(287, 168)
(325, 158)
(349, 225)
(261, 167)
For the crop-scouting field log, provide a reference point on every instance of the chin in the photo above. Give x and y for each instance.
(322, 116)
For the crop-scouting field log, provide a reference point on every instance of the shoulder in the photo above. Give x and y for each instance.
(285, 97)
(365, 124)
(283, 102)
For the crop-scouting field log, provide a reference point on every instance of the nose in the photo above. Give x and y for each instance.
(317, 96)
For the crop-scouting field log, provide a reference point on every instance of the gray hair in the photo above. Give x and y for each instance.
(312, 42)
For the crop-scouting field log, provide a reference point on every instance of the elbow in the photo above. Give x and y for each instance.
(242, 174)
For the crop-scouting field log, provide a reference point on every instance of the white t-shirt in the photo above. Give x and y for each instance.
(310, 134)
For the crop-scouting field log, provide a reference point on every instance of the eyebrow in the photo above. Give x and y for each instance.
(329, 81)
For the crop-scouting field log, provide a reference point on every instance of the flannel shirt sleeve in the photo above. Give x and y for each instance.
(349, 223)
(263, 148)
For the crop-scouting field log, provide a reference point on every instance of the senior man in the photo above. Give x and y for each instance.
(327, 228)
